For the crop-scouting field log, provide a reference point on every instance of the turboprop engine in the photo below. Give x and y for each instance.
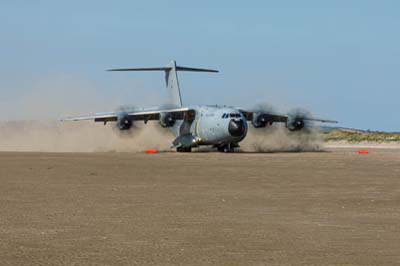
(124, 122)
(261, 120)
(296, 124)
(262, 115)
(167, 119)
(296, 119)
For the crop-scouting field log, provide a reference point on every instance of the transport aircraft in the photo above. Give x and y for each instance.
(222, 127)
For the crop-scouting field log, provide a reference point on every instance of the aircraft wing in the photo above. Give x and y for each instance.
(283, 118)
(274, 117)
(135, 115)
(322, 120)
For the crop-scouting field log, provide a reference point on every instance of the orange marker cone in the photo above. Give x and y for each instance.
(363, 151)
(151, 151)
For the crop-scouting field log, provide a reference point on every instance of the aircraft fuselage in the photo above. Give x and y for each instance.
(211, 125)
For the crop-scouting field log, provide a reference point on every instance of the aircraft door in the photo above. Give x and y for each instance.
(188, 119)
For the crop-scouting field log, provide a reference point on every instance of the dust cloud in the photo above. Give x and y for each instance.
(84, 136)
(87, 136)
(277, 138)
(29, 117)
(29, 123)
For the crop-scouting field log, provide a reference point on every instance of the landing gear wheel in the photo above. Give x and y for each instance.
(226, 148)
(183, 149)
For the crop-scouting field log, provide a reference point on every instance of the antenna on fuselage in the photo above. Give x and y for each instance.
(171, 78)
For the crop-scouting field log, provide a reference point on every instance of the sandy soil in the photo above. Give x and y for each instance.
(321, 208)
(361, 145)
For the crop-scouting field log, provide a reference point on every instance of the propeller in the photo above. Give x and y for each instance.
(167, 120)
(125, 126)
(261, 115)
(296, 119)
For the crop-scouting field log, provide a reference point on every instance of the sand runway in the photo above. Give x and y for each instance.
(317, 208)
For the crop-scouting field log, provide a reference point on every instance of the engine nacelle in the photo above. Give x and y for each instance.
(296, 124)
(261, 120)
(167, 119)
(297, 119)
(124, 122)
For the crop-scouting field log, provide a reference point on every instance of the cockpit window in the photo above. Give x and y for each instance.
(231, 115)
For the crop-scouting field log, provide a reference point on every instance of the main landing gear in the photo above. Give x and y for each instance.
(226, 148)
(184, 149)
(230, 147)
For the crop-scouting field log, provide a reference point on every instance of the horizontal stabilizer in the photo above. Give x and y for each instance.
(180, 68)
(171, 78)
(167, 68)
(142, 69)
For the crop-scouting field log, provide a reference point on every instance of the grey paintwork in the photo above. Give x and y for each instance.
(211, 128)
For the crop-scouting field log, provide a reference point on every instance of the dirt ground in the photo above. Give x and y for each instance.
(320, 208)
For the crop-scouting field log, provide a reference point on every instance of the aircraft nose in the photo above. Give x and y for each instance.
(237, 127)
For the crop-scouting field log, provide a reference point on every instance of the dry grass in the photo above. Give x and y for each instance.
(355, 137)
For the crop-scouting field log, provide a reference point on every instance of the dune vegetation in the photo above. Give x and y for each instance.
(355, 137)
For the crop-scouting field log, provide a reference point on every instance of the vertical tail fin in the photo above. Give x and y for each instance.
(172, 82)
(171, 78)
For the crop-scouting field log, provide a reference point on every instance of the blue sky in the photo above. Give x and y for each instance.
(339, 59)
